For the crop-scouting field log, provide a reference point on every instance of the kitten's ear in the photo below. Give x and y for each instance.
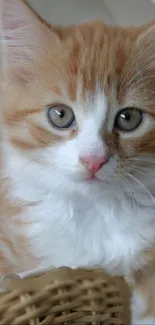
(23, 34)
(146, 36)
(144, 52)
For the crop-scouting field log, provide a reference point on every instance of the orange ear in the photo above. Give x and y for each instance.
(144, 52)
(23, 34)
(147, 36)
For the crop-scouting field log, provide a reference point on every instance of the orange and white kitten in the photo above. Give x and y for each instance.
(78, 150)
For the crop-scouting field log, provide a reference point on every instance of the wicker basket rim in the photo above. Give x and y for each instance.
(64, 274)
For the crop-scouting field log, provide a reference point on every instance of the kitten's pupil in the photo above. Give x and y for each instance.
(126, 116)
(61, 113)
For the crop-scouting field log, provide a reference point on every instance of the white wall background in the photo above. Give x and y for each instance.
(124, 12)
(71, 11)
(131, 12)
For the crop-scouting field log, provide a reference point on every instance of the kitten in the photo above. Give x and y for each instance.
(78, 150)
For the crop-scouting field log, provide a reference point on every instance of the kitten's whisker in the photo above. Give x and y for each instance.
(142, 168)
(128, 189)
(141, 186)
(131, 192)
(150, 160)
(142, 173)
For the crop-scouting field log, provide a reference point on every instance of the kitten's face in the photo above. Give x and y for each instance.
(81, 104)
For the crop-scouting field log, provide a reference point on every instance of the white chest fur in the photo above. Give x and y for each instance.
(90, 230)
(79, 224)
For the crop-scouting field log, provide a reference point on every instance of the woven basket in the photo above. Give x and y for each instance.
(65, 296)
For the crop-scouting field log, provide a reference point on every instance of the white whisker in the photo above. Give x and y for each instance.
(142, 186)
(131, 192)
(147, 160)
(141, 172)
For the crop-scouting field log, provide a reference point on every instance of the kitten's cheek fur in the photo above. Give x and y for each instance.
(66, 160)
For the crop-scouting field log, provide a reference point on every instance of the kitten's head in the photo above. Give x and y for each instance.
(79, 101)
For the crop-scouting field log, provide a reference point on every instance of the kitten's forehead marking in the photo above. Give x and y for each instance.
(91, 114)
(99, 104)
(95, 110)
(94, 103)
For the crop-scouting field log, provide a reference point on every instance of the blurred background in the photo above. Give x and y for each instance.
(123, 12)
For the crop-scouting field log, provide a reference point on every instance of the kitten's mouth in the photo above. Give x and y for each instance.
(91, 177)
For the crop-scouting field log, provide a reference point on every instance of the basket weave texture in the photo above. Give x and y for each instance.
(63, 296)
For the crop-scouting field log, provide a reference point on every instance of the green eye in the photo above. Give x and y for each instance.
(61, 117)
(128, 119)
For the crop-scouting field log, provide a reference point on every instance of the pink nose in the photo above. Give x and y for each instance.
(93, 163)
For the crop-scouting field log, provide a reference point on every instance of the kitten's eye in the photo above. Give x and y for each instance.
(128, 119)
(62, 117)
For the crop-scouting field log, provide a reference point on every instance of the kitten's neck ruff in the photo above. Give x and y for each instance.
(89, 226)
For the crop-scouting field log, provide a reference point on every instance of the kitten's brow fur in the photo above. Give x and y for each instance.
(50, 214)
